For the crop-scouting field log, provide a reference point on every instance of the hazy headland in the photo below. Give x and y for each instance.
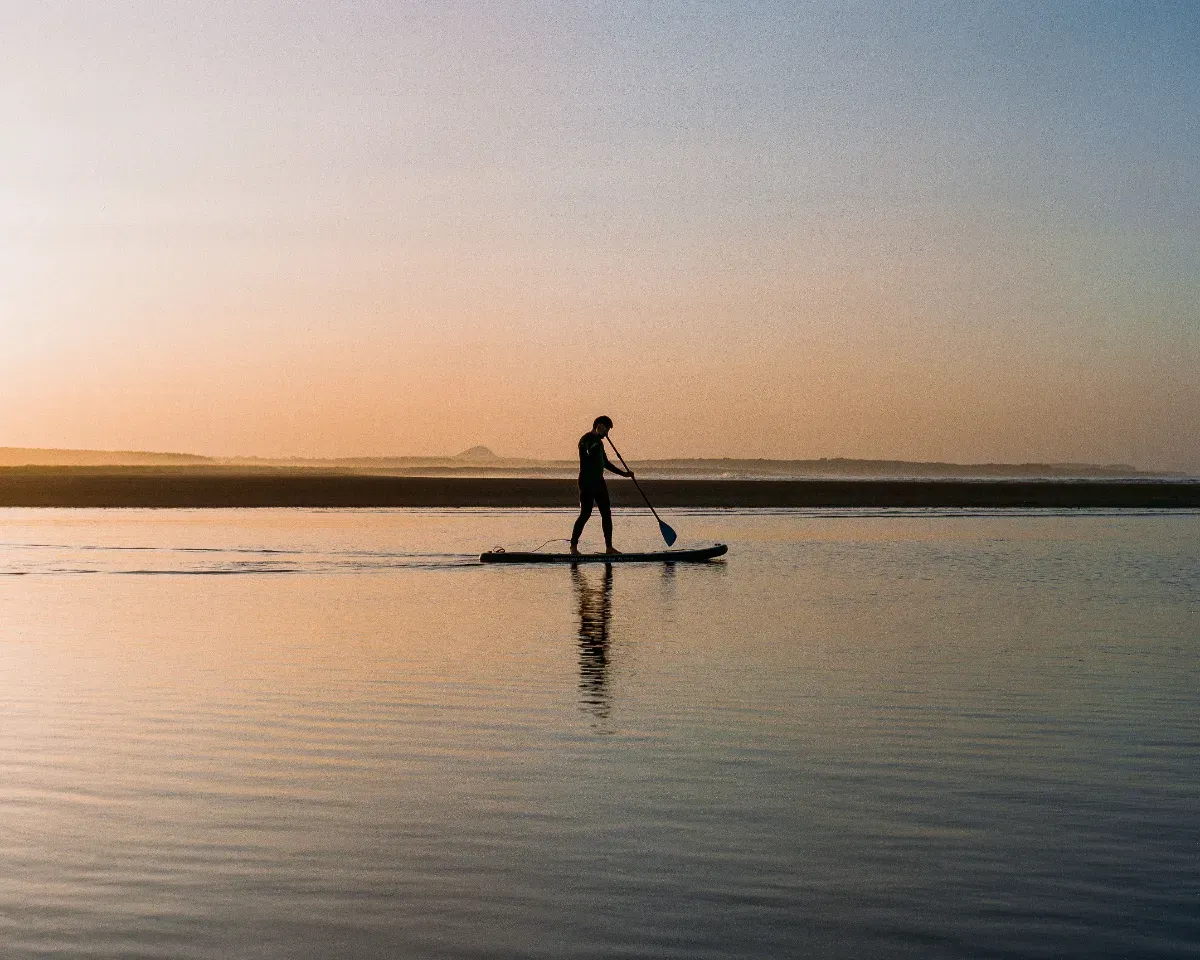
(480, 461)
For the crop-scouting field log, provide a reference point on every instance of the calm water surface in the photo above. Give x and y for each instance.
(289, 733)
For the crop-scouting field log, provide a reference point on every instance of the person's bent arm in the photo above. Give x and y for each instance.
(609, 465)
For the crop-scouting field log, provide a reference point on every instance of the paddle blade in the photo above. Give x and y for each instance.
(667, 533)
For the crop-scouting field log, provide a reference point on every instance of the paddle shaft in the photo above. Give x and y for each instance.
(634, 479)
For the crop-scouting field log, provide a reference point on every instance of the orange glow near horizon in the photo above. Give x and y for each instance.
(743, 239)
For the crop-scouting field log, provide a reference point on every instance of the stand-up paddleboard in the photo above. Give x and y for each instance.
(500, 555)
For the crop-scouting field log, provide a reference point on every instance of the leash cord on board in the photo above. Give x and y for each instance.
(535, 549)
(548, 542)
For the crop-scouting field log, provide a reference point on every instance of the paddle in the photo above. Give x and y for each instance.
(667, 533)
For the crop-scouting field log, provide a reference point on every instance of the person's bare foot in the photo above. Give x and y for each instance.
(611, 549)
(574, 550)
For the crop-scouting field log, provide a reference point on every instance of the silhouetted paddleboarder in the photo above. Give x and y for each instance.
(593, 461)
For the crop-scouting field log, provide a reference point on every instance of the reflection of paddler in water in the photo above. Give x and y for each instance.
(593, 461)
(595, 612)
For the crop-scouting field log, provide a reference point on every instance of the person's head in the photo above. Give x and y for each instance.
(602, 425)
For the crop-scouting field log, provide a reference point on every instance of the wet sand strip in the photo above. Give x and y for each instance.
(165, 487)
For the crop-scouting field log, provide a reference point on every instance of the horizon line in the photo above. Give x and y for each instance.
(480, 455)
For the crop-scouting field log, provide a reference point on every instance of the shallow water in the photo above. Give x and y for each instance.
(289, 733)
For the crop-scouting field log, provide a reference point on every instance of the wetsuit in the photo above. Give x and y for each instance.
(593, 461)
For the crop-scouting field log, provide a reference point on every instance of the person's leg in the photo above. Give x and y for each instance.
(605, 517)
(585, 510)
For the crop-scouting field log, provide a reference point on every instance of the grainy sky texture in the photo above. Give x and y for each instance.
(955, 231)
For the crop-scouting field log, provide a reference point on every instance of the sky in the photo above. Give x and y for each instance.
(927, 231)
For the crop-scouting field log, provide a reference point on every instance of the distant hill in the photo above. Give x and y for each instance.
(482, 461)
(477, 455)
(34, 456)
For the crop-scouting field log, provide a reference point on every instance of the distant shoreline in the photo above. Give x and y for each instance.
(215, 488)
(480, 462)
